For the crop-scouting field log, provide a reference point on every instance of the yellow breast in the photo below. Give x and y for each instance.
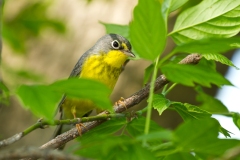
(105, 68)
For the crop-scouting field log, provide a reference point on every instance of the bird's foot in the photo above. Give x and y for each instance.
(121, 102)
(78, 126)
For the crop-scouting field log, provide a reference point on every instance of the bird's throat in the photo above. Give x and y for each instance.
(100, 68)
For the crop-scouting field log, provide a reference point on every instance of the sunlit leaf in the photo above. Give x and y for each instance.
(147, 74)
(225, 132)
(41, 100)
(86, 89)
(190, 74)
(190, 112)
(122, 30)
(148, 30)
(211, 45)
(160, 103)
(236, 119)
(219, 58)
(210, 18)
(169, 6)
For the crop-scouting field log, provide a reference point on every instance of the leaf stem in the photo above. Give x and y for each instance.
(140, 112)
(163, 59)
(150, 99)
(169, 89)
(165, 88)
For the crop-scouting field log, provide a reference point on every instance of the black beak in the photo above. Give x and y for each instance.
(129, 53)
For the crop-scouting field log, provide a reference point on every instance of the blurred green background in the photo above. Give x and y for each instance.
(42, 41)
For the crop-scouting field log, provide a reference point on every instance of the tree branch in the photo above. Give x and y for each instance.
(1, 10)
(126, 104)
(43, 124)
(36, 153)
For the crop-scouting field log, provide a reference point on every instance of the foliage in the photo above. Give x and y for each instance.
(42, 100)
(31, 20)
(206, 28)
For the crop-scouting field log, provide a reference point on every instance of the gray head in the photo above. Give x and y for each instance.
(105, 44)
(112, 42)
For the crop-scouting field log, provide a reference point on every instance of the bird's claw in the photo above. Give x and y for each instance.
(121, 101)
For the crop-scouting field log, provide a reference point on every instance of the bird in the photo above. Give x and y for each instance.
(103, 62)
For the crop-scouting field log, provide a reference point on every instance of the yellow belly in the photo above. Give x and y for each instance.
(79, 107)
(93, 68)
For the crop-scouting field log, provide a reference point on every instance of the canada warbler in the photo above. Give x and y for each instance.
(103, 62)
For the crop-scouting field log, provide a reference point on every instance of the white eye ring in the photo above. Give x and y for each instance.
(115, 44)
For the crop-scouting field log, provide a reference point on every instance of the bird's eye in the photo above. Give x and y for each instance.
(115, 44)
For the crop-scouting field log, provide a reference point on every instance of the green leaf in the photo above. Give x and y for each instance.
(164, 149)
(210, 45)
(210, 18)
(122, 30)
(30, 22)
(236, 119)
(215, 147)
(190, 112)
(201, 136)
(14, 41)
(148, 29)
(175, 4)
(180, 156)
(112, 147)
(194, 131)
(188, 74)
(136, 126)
(4, 94)
(41, 100)
(219, 58)
(160, 103)
(86, 89)
(20, 76)
(210, 103)
(106, 129)
(147, 73)
(169, 6)
(225, 132)
(165, 135)
(208, 63)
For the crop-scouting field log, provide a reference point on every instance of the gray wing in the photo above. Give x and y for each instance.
(75, 73)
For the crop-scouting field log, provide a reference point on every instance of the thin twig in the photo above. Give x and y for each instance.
(43, 124)
(127, 103)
